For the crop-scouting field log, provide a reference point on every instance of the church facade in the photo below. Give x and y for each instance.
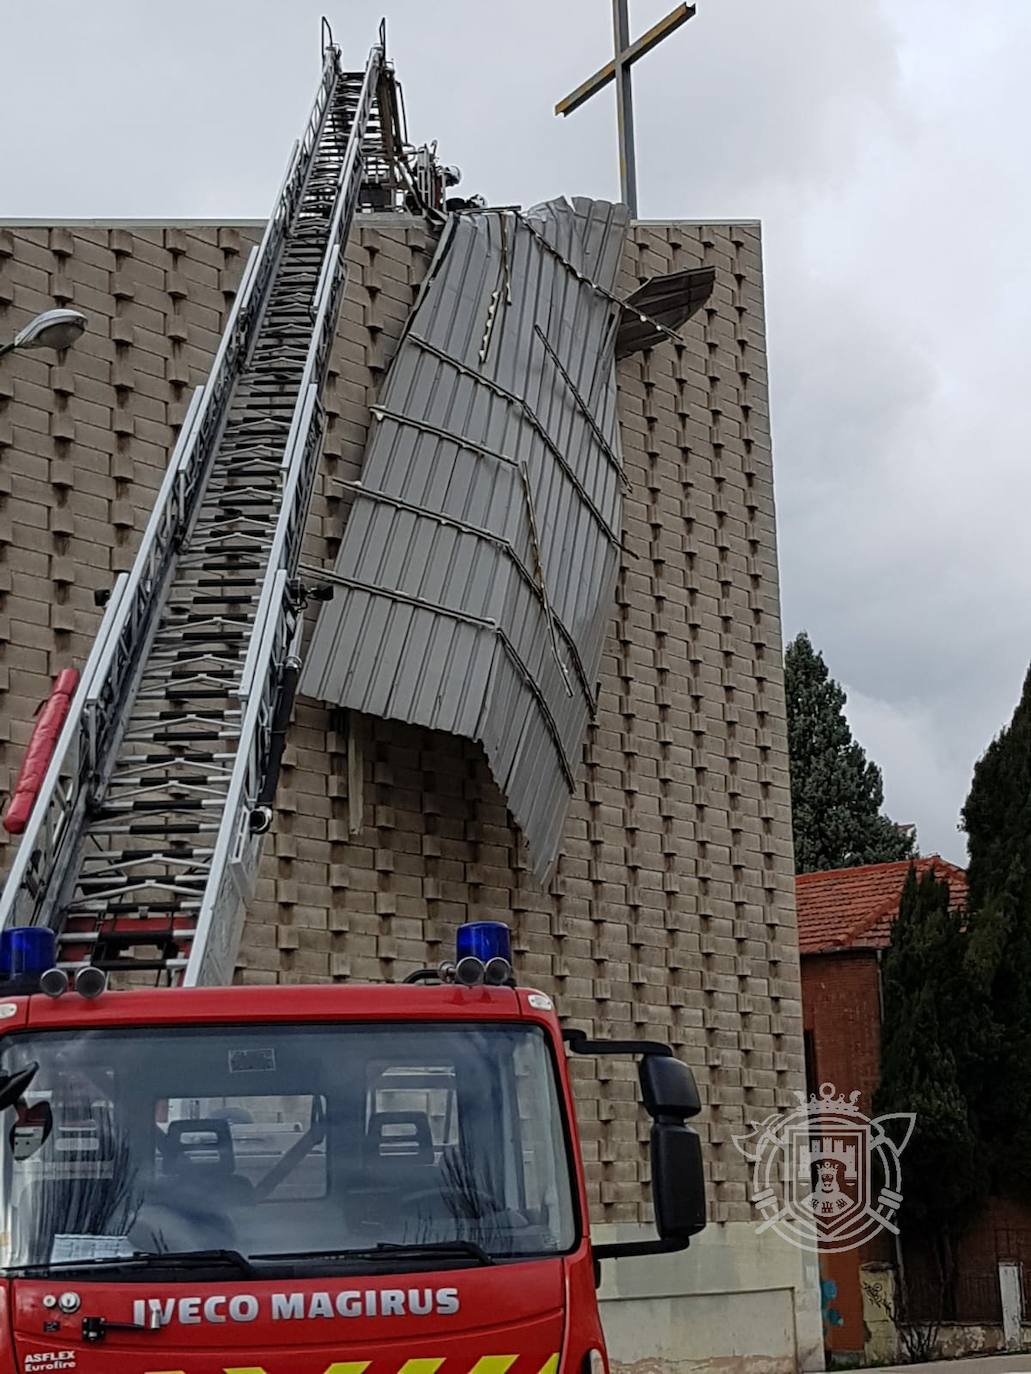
(669, 911)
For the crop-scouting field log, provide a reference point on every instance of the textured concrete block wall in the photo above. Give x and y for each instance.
(85, 436)
(671, 914)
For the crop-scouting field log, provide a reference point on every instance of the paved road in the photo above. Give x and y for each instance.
(993, 1364)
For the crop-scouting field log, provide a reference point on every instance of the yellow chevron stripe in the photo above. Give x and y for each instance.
(341, 1367)
(494, 1364)
(489, 1364)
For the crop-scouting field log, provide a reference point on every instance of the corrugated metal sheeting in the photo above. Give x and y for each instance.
(477, 568)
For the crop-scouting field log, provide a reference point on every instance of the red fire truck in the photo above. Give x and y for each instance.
(310, 1180)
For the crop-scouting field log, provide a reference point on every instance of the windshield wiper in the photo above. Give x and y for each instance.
(144, 1259)
(387, 1250)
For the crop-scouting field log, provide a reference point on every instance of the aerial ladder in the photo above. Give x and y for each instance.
(142, 847)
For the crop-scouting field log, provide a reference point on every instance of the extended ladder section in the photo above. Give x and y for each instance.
(143, 845)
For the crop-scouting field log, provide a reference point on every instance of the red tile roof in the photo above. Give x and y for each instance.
(849, 908)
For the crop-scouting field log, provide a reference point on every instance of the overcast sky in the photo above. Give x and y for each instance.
(884, 145)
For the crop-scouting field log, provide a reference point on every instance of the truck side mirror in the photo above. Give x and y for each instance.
(670, 1096)
(13, 1085)
(678, 1181)
(678, 1178)
(668, 1088)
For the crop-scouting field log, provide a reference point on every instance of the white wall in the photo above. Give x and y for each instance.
(735, 1302)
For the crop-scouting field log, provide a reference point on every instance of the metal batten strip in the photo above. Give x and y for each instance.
(445, 244)
(502, 293)
(408, 422)
(466, 618)
(513, 399)
(489, 537)
(583, 407)
(541, 581)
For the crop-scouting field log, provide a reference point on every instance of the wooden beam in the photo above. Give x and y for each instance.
(643, 45)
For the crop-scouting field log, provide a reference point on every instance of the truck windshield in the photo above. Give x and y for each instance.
(286, 1139)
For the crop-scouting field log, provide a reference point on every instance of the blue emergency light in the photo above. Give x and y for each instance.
(483, 954)
(484, 940)
(26, 952)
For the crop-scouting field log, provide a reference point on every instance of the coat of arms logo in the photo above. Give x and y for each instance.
(840, 1171)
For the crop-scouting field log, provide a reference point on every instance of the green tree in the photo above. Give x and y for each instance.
(930, 1039)
(836, 794)
(997, 819)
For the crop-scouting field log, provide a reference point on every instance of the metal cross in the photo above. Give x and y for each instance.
(618, 70)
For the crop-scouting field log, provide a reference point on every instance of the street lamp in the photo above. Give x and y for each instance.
(53, 329)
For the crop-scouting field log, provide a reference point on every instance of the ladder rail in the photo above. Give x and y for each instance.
(311, 435)
(150, 568)
(60, 793)
(291, 189)
(237, 849)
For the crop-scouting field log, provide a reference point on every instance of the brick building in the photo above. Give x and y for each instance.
(844, 926)
(671, 912)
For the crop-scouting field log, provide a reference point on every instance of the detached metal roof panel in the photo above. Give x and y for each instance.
(477, 568)
(661, 304)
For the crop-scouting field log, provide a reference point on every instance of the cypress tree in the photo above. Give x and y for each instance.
(836, 793)
(930, 1033)
(997, 819)
(997, 814)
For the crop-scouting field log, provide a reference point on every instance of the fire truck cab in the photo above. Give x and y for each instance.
(311, 1180)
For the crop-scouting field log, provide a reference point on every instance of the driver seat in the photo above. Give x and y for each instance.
(199, 1156)
(398, 1158)
(399, 1143)
(188, 1205)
